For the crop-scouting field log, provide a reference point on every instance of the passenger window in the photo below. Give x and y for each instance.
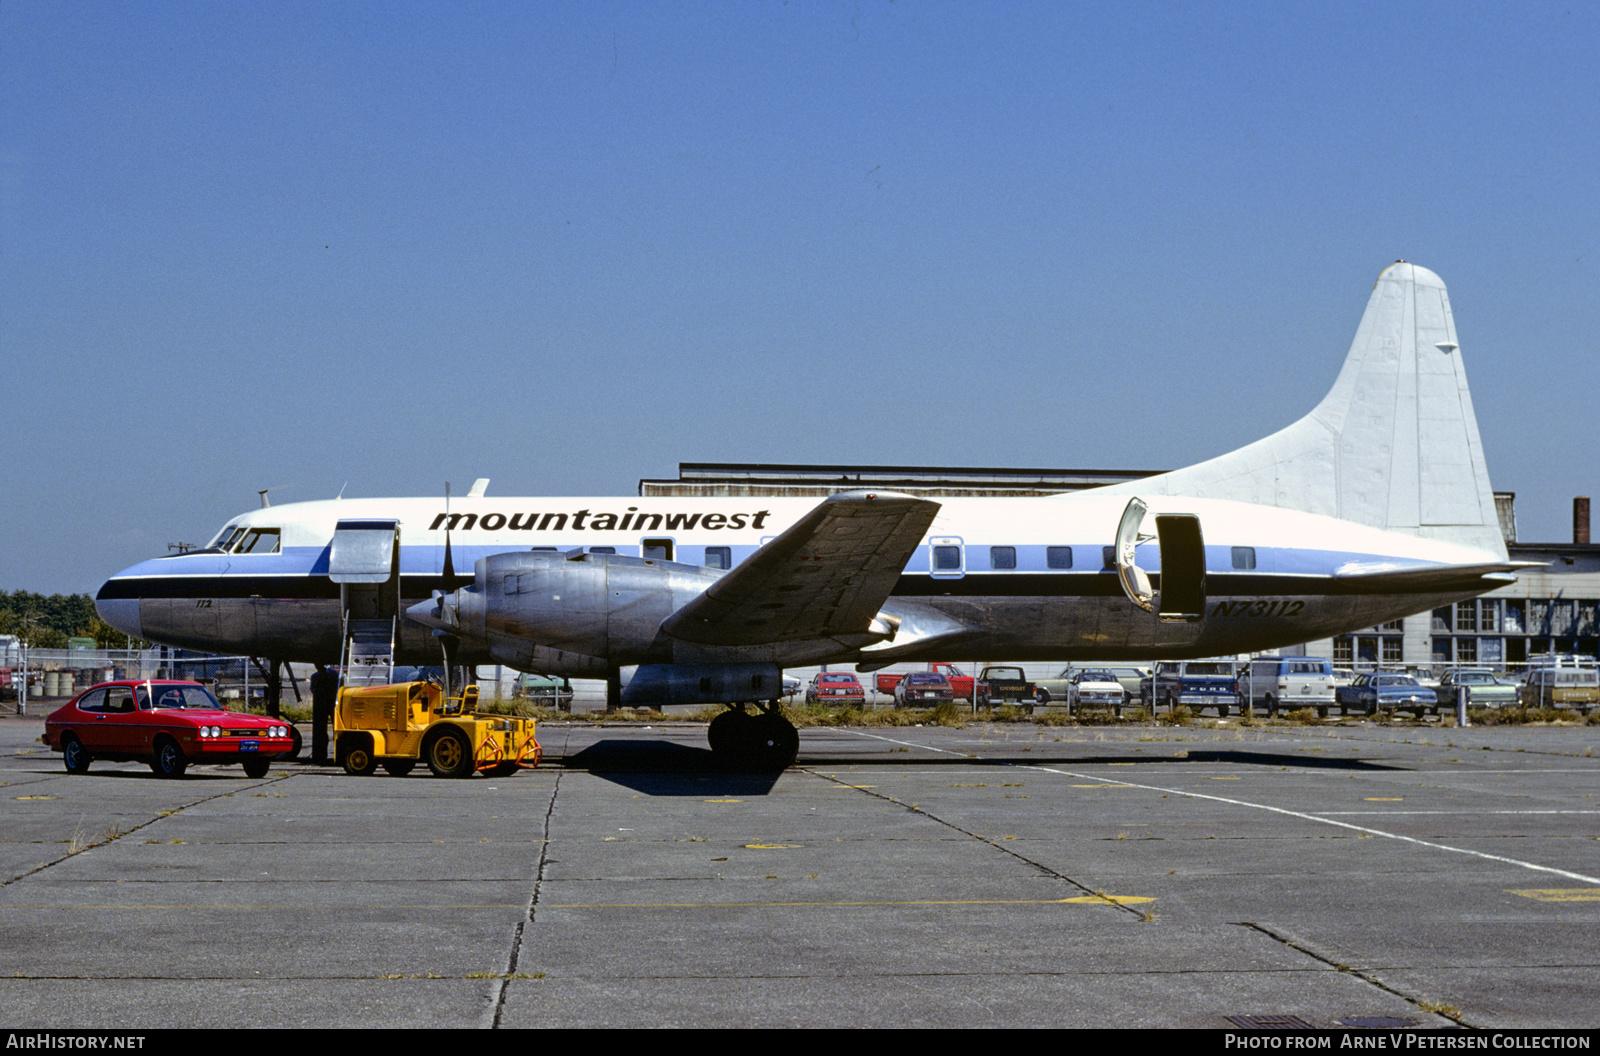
(656, 549)
(947, 558)
(1108, 557)
(1244, 557)
(602, 549)
(719, 557)
(1058, 556)
(1003, 557)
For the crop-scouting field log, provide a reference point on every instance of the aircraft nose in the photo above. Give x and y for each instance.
(120, 612)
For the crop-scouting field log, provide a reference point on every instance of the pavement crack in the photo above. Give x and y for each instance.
(1433, 1008)
(1137, 914)
(77, 846)
(515, 955)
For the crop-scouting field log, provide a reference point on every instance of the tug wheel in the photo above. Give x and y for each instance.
(448, 754)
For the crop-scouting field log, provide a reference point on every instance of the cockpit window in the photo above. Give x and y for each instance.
(254, 541)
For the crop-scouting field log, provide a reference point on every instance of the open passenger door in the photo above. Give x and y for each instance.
(1182, 595)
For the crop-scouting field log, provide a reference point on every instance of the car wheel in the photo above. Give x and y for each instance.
(354, 752)
(449, 754)
(257, 767)
(402, 767)
(1322, 713)
(169, 760)
(1222, 711)
(75, 755)
(1043, 697)
(1272, 706)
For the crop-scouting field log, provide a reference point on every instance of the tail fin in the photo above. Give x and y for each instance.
(1394, 444)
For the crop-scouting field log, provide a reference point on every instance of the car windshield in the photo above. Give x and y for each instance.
(1097, 676)
(844, 679)
(175, 696)
(925, 678)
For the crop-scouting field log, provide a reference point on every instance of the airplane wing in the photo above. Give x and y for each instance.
(827, 575)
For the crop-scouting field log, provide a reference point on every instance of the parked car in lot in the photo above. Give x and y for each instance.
(168, 725)
(923, 688)
(962, 685)
(1289, 683)
(1486, 689)
(1094, 687)
(545, 690)
(835, 687)
(1392, 692)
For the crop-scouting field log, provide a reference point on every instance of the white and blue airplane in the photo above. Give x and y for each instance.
(1374, 506)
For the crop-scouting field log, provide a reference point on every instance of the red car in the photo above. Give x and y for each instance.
(166, 724)
(840, 686)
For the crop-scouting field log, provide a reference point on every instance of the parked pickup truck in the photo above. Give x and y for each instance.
(1196, 683)
(960, 684)
(1009, 684)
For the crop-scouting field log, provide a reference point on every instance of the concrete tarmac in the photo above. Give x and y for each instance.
(998, 875)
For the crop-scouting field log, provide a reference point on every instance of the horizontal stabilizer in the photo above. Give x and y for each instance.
(825, 577)
(1386, 579)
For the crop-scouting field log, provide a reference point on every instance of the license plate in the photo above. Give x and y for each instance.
(249, 746)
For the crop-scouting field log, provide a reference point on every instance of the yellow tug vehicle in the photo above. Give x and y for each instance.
(394, 726)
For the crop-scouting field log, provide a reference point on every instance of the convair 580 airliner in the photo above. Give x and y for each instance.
(1375, 505)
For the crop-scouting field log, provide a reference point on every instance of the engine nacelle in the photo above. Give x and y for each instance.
(577, 614)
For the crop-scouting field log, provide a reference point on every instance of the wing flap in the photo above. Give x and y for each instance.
(826, 576)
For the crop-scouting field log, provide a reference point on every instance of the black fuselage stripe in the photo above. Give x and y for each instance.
(1020, 585)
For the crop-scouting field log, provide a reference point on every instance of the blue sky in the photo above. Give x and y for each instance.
(380, 247)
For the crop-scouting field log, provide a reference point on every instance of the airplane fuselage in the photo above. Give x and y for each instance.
(1026, 578)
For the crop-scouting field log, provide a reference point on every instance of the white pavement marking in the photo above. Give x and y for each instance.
(1320, 819)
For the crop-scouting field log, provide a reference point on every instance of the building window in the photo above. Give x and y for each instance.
(719, 557)
(1393, 650)
(1467, 615)
(1244, 557)
(1003, 557)
(1513, 617)
(1466, 650)
(1058, 556)
(1344, 653)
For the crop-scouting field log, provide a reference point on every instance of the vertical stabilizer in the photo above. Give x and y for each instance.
(1394, 444)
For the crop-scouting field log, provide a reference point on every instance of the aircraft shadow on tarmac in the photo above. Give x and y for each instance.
(665, 768)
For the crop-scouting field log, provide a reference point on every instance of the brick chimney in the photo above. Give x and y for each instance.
(1580, 519)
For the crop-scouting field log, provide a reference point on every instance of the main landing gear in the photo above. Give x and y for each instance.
(764, 740)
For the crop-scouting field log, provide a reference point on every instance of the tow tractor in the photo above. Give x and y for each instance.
(393, 726)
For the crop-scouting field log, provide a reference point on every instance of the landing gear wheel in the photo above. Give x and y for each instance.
(169, 759)
(449, 754)
(398, 767)
(355, 755)
(775, 742)
(257, 768)
(75, 755)
(729, 732)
